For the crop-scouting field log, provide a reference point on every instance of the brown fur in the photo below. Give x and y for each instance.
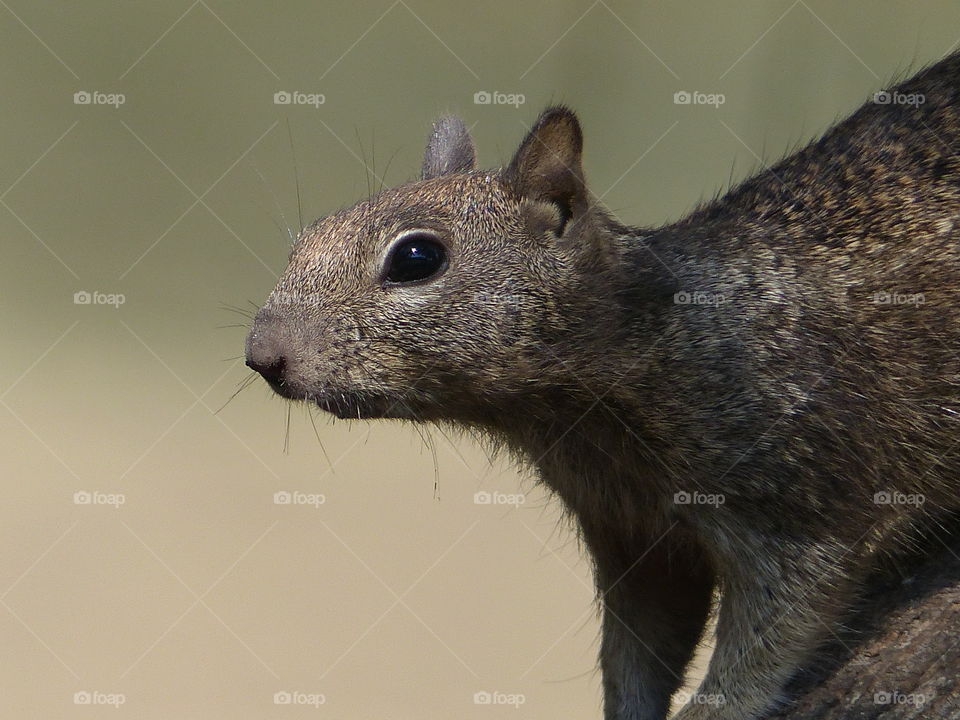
(795, 397)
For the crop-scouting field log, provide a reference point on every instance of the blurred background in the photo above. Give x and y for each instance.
(162, 555)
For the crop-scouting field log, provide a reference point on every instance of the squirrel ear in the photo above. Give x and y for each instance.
(449, 149)
(547, 165)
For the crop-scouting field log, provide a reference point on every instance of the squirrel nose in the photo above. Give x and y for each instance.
(271, 369)
(265, 352)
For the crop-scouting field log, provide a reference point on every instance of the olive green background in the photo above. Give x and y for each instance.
(399, 596)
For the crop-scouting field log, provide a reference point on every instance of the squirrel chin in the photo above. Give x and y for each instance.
(351, 406)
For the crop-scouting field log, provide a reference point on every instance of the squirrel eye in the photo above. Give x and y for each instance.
(415, 258)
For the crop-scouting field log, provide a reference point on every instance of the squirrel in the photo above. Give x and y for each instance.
(757, 403)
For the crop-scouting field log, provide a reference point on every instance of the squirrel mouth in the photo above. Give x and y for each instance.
(360, 406)
(347, 405)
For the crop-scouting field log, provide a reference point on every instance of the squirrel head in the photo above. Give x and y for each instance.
(440, 298)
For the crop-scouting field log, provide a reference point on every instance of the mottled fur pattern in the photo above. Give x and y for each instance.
(780, 358)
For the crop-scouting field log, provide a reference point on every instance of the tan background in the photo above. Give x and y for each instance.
(199, 597)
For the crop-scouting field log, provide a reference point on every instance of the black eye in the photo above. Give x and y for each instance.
(418, 257)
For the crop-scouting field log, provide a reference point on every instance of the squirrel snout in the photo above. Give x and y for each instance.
(265, 352)
(272, 369)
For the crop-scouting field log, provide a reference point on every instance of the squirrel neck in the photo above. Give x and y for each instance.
(600, 408)
(635, 393)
